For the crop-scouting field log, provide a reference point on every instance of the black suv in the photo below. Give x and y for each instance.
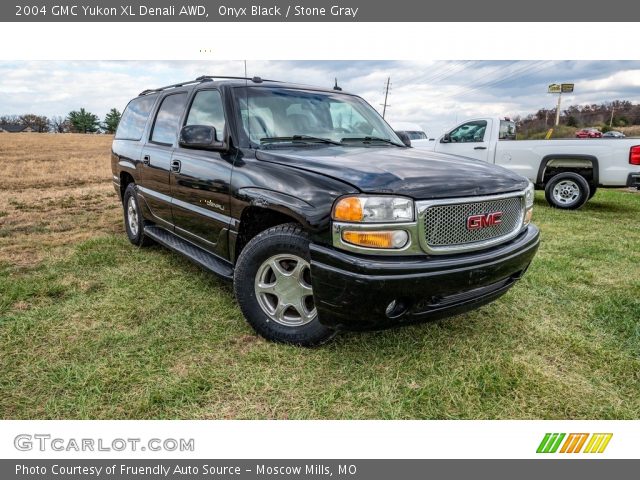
(323, 216)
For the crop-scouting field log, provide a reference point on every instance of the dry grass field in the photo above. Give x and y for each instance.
(56, 191)
(92, 327)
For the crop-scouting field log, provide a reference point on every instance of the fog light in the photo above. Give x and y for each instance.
(396, 308)
(527, 216)
(376, 239)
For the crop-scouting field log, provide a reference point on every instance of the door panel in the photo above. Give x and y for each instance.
(156, 156)
(200, 178)
(200, 192)
(154, 185)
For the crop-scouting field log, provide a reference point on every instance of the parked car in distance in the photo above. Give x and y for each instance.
(568, 170)
(413, 131)
(311, 205)
(613, 134)
(588, 133)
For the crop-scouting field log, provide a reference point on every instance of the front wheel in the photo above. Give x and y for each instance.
(272, 284)
(567, 190)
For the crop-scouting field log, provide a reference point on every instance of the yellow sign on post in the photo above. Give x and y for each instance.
(555, 88)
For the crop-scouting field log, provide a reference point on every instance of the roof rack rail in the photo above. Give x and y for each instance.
(203, 78)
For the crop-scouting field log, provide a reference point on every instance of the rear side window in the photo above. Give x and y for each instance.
(165, 128)
(507, 130)
(135, 118)
(206, 109)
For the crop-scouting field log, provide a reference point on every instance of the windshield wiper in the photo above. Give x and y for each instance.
(371, 139)
(299, 138)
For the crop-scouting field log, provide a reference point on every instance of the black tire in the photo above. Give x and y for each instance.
(286, 241)
(135, 235)
(574, 184)
(592, 191)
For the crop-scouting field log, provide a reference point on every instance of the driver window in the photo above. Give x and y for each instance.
(206, 109)
(469, 132)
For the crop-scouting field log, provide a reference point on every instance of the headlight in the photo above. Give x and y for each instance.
(373, 209)
(529, 195)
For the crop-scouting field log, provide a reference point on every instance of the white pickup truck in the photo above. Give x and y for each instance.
(569, 170)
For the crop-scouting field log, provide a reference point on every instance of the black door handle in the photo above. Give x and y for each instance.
(146, 159)
(480, 148)
(175, 165)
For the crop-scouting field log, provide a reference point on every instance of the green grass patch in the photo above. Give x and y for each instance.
(113, 331)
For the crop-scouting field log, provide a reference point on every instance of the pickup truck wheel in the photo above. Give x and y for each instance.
(133, 221)
(567, 190)
(272, 284)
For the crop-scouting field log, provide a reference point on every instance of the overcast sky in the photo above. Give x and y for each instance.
(433, 94)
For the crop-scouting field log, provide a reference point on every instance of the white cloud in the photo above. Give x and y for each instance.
(433, 94)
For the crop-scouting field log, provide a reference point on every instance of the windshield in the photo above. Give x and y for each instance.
(286, 115)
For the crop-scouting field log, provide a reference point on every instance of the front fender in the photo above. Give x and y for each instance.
(309, 216)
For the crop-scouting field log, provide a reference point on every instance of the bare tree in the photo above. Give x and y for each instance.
(59, 124)
(9, 119)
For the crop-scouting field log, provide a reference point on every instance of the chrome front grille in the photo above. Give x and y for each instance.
(444, 228)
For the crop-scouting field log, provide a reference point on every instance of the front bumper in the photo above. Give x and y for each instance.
(353, 292)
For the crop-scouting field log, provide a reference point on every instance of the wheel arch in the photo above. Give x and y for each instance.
(585, 165)
(126, 178)
(263, 209)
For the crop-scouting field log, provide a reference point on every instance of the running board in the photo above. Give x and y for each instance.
(196, 254)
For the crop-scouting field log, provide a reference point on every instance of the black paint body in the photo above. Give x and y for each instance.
(206, 201)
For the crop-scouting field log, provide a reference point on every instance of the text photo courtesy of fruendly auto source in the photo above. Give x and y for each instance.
(320, 240)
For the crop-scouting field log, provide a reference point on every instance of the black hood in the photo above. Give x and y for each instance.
(419, 174)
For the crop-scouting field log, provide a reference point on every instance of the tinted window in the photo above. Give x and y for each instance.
(206, 109)
(469, 132)
(416, 135)
(165, 129)
(135, 118)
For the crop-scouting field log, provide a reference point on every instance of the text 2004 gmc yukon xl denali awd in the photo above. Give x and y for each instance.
(315, 208)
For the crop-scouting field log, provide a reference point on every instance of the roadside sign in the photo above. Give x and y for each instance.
(561, 88)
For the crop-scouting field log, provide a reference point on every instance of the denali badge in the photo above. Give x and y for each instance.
(476, 222)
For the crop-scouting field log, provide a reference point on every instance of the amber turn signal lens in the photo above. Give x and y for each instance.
(381, 239)
(348, 209)
(527, 216)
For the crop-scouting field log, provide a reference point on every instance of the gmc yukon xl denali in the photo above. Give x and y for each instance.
(315, 208)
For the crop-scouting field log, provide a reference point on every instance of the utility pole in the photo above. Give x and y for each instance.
(386, 96)
(613, 109)
(558, 109)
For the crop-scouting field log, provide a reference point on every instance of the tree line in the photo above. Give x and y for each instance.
(619, 113)
(77, 121)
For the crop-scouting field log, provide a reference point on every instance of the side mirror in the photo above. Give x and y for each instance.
(446, 138)
(200, 136)
(405, 138)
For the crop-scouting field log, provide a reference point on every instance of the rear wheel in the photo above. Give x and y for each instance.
(567, 190)
(272, 283)
(133, 221)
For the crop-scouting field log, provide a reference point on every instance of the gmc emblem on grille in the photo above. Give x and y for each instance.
(476, 222)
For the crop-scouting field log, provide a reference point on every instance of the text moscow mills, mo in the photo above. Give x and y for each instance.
(185, 10)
